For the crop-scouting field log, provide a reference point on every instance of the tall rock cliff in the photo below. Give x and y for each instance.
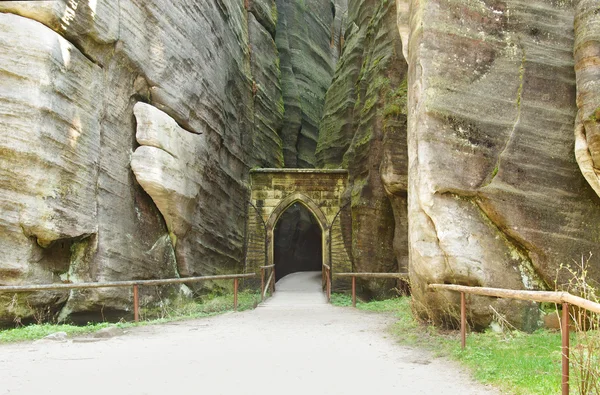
(587, 69)
(495, 194)
(308, 40)
(127, 130)
(364, 130)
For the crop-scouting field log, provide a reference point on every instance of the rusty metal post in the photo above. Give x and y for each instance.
(273, 284)
(463, 321)
(353, 291)
(235, 294)
(328, 285)
(262, 283)
(136, 304)
(565, 348)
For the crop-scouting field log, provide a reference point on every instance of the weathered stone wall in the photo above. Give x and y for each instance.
(364, 130)
(309, 40)
(320, 191)
(71, 209)
(587, 70)
(323, 187)
(127, 131)
(495, 195)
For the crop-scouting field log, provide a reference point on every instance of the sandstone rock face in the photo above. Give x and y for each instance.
(454, 119)
(587, 68)
(50, 148)
(267, 96)
(364, 130)
(168, 165)
(211, 66)
(495, 195)
(308, 39)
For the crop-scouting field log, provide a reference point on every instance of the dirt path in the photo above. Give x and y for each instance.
(293, 344)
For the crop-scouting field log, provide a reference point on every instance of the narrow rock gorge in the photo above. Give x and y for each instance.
(469, 129)
(363, 129)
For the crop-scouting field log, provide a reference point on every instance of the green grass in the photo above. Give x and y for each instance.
(518, 363)
(209, 305)
(38, 331)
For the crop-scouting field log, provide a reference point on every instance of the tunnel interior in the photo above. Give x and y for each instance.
(298, 243)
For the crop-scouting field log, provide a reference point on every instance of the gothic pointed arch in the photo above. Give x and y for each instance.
(304, 200)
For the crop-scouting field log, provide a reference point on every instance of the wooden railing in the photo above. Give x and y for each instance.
(563, 298)
(401, 276)
(131, 283)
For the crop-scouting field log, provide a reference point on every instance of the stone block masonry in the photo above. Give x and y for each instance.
(275, 190)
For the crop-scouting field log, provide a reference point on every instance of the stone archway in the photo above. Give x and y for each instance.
(275, 190)
(281, 208)
(297, 241)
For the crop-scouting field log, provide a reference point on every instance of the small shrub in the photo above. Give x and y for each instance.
(585, 354)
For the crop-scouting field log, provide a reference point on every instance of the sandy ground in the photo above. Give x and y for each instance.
(294, 343)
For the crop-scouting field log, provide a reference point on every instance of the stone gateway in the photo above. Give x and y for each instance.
(277, 191)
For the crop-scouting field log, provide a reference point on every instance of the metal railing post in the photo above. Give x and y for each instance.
(136, 304)
(562, 297)
(565, 348)
(273, 284)
(262, 283)
(328, 285)
(353, 291)
(235, 294)
(463, 321)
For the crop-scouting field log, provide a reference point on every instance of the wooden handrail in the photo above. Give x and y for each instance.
(131, 283)
(564, 298)
(401, 276)
(267, 267)
(532, 296)
(373, 275)
(116, 284)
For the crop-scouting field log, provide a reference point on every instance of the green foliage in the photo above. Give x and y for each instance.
(38, 331)
(274, 16)
(521, 363)
(204, 306)
(585, 356)
(495, 171)
(595, 117)
(393, 110)
(365, 139)
(369, 103)
(207, 306)
(341, 300)
(518, 363)
(397, 100)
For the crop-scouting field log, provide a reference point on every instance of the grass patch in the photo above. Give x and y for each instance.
(207, 306)
(38, 331)
(519, 363)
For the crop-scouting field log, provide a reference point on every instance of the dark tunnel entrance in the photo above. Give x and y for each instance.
(298, 242)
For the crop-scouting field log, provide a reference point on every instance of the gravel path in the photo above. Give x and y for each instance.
(294, 343)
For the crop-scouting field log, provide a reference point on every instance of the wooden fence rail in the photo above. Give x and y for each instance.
(563, 298)
(131, 283)
(400, 276)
